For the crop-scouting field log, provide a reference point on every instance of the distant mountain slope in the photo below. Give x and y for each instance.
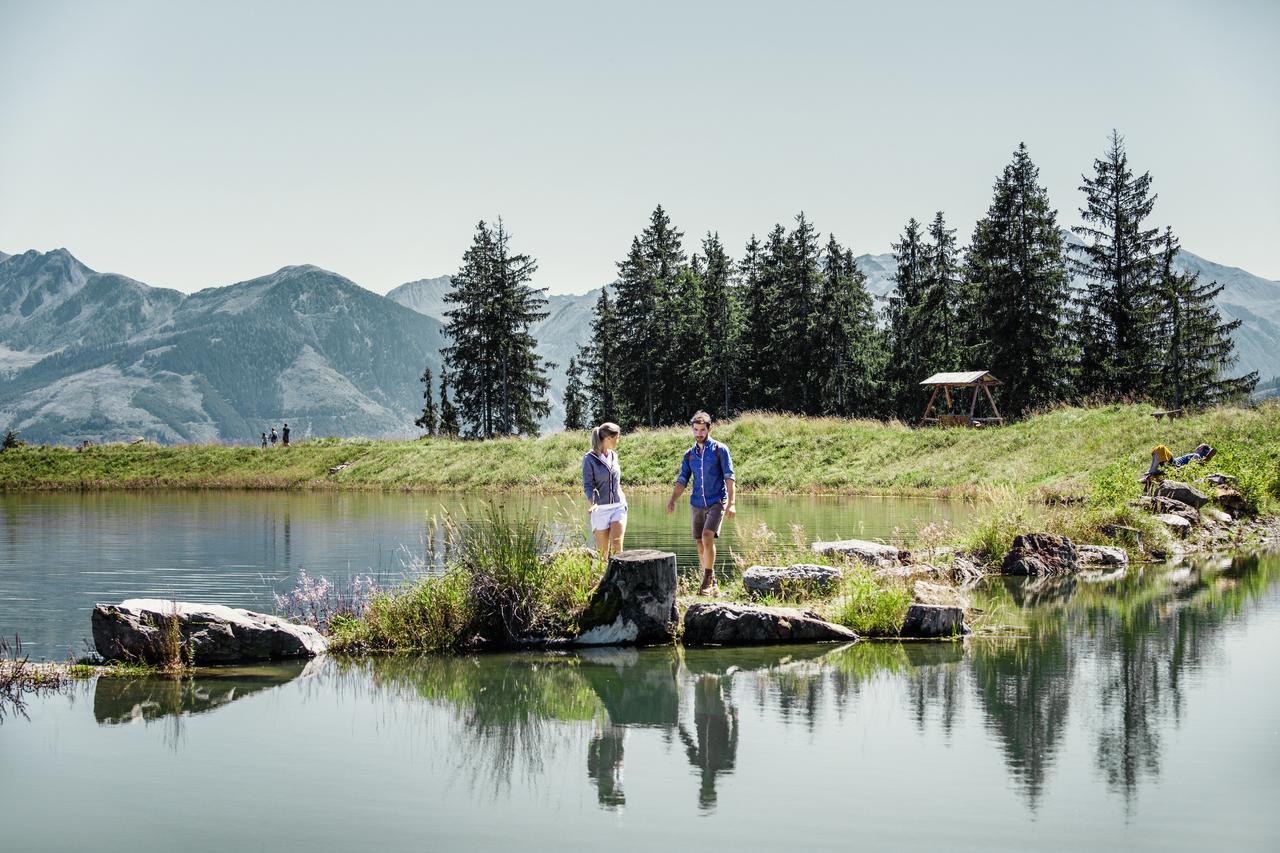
(302, 345)
(426, 296)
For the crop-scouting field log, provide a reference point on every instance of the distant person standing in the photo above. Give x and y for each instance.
(284, 435)
(264, 440)
(711, 495)
(602, 485)
(274, 437)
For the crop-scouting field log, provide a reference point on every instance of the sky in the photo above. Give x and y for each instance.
(192, 145)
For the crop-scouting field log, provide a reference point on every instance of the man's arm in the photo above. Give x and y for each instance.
(682, 479)
(675, 495)
(729, 508)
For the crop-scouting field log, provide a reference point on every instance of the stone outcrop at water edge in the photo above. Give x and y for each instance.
(716, 624)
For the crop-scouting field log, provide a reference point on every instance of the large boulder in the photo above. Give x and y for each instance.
(1159, 505)
(872, 553)
(713, 623)
(802, 578)
(1232, 500)
(635, 602)
(1182, 492)
(1101, 555)
(1040, 554)
(140, 629)
(932, 622)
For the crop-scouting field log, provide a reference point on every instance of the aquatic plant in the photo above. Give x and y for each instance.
(317, 602)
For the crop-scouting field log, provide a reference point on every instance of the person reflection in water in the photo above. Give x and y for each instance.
(604, 765)
(716, 723)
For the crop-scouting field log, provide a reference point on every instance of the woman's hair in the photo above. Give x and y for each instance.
(608, 429)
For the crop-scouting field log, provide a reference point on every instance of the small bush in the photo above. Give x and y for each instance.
(869, 607)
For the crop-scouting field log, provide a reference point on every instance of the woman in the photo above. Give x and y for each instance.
(602, 484)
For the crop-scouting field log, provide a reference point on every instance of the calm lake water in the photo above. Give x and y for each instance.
(1140, 711)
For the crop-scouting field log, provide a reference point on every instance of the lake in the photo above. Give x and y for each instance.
(1131, 711)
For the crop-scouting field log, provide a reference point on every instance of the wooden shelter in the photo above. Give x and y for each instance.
(978, 380)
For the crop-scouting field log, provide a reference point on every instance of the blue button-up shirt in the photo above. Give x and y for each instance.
(708, 469)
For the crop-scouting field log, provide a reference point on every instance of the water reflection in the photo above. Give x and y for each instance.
(1109, 660)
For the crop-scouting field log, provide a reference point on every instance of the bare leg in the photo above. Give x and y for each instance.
(616, 532)
(602, 544)
(707, 556)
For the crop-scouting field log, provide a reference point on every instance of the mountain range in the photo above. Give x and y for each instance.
(99, 356)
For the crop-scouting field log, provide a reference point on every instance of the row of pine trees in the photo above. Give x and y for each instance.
(790, 325)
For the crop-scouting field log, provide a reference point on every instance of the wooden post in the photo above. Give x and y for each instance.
(973, 407)
(992, 400)
(946, 390)
(929, 406)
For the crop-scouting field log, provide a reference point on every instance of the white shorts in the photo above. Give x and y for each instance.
(606, 514)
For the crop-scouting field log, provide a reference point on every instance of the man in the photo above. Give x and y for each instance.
(710, 467)
(284, 436)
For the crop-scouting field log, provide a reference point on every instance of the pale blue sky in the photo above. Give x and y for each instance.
(196, 144)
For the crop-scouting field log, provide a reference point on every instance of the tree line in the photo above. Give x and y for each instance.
(790, 326)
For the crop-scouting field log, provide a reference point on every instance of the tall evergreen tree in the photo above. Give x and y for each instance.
(937, 318)
(906, 367)
(575, 399)
(847, 358)
(762, 347)
(427, 420)
(599, 360)
(1120, 264)
(449, 423)
(721, 369)
(1196, 342)
(499, 380)
(800, 283)
(1018, 292)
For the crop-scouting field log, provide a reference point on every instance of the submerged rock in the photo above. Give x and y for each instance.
(1040, 554)
(1182, 492)
(137, 630)
(635, 602)
(872, 553)
(1101, 555)
(713, 623)
(933, 621)
(790, 580)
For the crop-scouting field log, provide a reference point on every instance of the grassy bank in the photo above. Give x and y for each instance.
(1063, 453)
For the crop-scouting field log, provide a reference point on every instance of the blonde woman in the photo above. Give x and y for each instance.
(602, 485)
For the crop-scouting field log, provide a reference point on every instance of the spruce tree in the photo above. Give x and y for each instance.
(599, 360)
(906, 368)
(427, 420)
(1120, 264)
(499, 380)
(1018, 292)
(575, 402)
(1197, 343)
(763, 349)
(449, 423)
(800, 281)
(721, 367)
(937, 319)
(847, 358)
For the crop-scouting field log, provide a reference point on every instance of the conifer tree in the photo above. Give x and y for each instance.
(427, 420)
(763, 349)
(721, 368)
(1018, 293)
(575, 402)
(800, 282)
(449, 423)
(1197, 343)
(906, 368)
(499, 380)
(1120, 264)
(937, 318)
(848, 355)
(598, 359)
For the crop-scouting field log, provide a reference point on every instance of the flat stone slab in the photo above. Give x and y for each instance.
(1176, 523)
(790, 580)
(933, 622)
(210, 633)
(872, 553)
(716, 624)
(634, 603)
(1101, 555)
(1189, 495)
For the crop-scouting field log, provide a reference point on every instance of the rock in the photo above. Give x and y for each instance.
(1176, 523)
(1039, 554)
(713, 623)
(1230, 499)
(871, 553)
(1170, 505)
(134, 630)
(800, 578)
(907, 571)
(940, 594)
(1101, 555)
(932, 621)
(1182, 492)
(635, 602)
(1216, 514)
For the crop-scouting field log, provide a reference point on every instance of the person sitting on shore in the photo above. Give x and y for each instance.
(602, 485)
(1162, 456)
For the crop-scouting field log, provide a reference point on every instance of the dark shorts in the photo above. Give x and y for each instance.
(707, 518)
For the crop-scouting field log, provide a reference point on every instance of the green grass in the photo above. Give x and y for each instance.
(1063, 453)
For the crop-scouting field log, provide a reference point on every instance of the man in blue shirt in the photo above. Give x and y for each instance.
(710, 467)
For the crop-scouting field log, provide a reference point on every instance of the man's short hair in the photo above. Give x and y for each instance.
(700, 417)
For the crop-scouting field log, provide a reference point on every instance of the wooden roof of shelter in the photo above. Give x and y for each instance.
(944, 382)
(968, 377)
